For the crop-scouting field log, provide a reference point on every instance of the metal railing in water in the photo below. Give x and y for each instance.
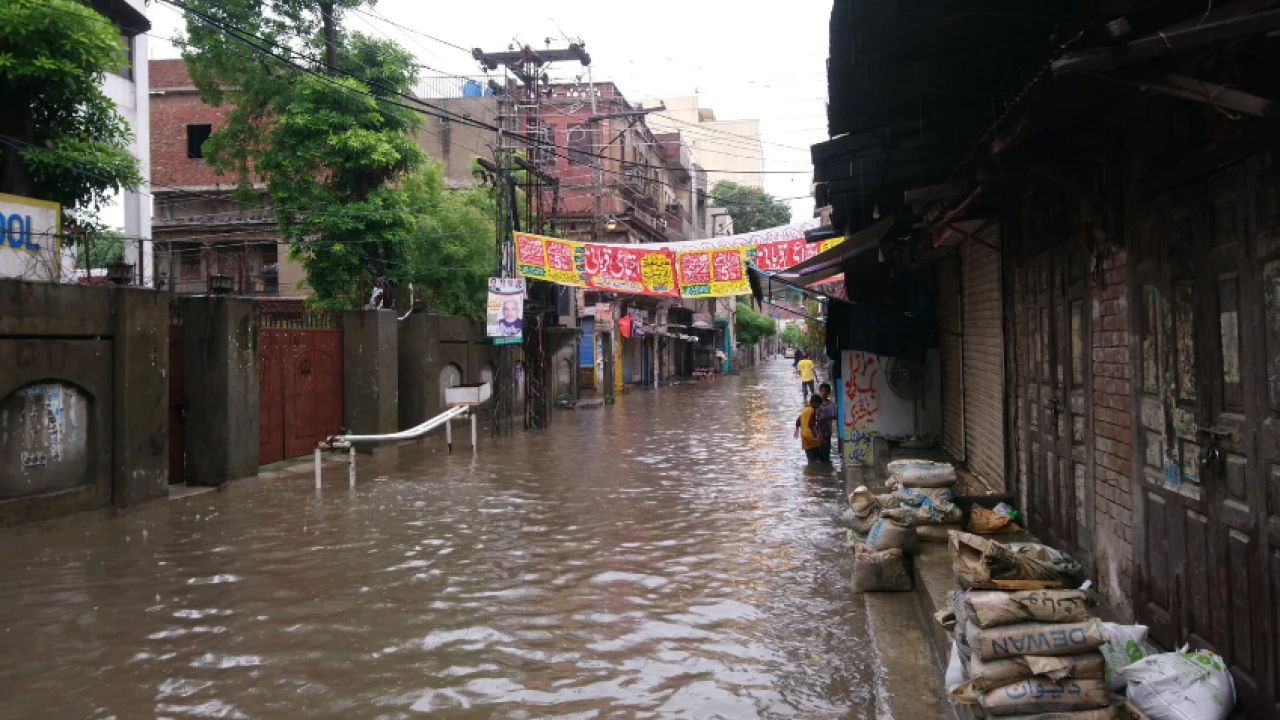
(348, 442)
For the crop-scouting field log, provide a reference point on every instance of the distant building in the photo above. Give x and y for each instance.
(718, 145)
(201, 231)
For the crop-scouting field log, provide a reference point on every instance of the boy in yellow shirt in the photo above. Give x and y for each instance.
(805, 368)
(807, 430)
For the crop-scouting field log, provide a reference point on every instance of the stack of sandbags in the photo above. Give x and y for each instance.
(883, 541)
(1032, 653)
(926, 487)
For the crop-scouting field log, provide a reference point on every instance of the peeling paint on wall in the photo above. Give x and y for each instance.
(43, 440)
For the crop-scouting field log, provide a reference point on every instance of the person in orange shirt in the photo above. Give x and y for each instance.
(807, 430)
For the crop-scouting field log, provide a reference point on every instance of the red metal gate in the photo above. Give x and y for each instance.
(299, 381)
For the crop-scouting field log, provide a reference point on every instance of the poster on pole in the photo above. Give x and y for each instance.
(504, 312)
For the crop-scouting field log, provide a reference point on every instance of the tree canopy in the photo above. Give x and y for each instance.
(61, 137)
(751, 327)
(793, 335)
(354, 194)
(750, 207)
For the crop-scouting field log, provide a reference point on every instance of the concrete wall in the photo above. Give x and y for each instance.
(83, 401)
(456, 144)
(370, 367)
(220, 372)
(437, 351)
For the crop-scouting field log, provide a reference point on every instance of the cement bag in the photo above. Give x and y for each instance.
(922, 473)
(992, 609)
(1062, 565)
(1181, 686)
(1126, 645)
(1106, 713)
(863, 510)
(955, 668)
(927, 514)
(916, 497)
(946, 618)
(879, 570)
(890, 532)
(1042, 695)
(1038, 639)
(936, 533)
(987, 675)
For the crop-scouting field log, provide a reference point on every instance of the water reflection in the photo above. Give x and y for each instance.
(668, 557)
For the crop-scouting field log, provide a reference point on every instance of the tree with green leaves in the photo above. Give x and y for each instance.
(61, 138)
(750, 207)
(750, 326)
(317, 116)
(792, 335)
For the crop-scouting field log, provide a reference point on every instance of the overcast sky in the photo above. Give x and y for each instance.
(744, 64)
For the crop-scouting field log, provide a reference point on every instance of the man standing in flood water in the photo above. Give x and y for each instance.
(804, 366)
(807, 430)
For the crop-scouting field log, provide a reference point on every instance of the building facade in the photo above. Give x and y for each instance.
(729, 148)
(1105, 257)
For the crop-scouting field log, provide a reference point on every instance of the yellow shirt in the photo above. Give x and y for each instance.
(805, 367)
(808, 436)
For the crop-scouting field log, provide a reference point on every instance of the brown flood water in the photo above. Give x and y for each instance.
(668, 557)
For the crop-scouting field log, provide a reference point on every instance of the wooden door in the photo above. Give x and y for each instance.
(271, 420)
(312, 386)
(1207, 573)
(1056, 397)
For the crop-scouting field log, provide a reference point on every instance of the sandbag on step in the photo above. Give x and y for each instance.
(1042, 695)
(1106, 713)
(992, 609)
(921, 473)
(1038, 639)
(987, 675)
(1181, 686)
(879, 570)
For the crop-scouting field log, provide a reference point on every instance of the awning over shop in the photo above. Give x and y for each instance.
(829, 262)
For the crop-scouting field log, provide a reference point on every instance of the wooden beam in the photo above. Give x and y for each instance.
(1206, 162)
(1073, 186)
(1218, 96)
(1168, 42)
(936, 192)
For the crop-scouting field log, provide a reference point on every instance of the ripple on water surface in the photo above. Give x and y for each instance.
(669, 557)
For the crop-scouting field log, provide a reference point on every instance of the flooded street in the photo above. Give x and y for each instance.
(666, 557)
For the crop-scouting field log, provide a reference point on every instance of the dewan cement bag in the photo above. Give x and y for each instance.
(1038, 639)
(1106, 713)
(1181, 686)
(1042, 695)
(987, 675)
(992, 609)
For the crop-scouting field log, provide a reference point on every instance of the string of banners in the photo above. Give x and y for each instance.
(711, 267)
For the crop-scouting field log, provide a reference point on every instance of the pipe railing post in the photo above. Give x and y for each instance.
(448, 434)
(351, 471)
(473, 432)
(317, 467)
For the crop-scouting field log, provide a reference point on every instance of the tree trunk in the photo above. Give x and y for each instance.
(330, 38)
(17, 130)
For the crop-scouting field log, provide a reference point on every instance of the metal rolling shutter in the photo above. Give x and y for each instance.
(983, 353)
(950, 337)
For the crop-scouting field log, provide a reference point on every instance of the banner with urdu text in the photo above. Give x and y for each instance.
(710, 267)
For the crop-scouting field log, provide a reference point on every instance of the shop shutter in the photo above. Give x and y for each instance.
(950, 336)
(983, 356)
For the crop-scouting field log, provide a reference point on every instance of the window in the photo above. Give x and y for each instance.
(196, 137)
(580, 141)
(126, 55)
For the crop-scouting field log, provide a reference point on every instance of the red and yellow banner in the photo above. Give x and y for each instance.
(714, 267)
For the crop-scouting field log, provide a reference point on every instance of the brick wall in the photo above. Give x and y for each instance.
(1113, 435)
(168, 74)
(171, 112)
